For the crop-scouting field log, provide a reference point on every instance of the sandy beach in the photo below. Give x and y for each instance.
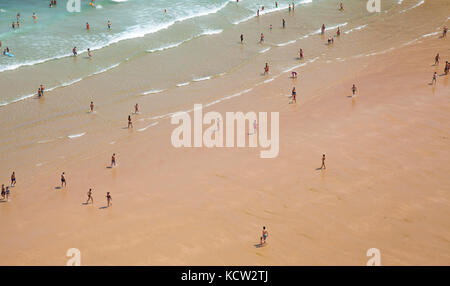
(385, 186)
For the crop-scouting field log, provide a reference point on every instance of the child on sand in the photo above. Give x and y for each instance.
(323, 162)
(13, 179)
(108, 199)
(63, 180)
(90, 198)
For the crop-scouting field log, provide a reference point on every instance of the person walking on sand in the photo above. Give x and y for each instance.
(446, 67)
(3, 192)
(13, 179)
(242, 38)
(301, 53)
(113, 160)
(284, 23)
(434, 78)
(257, 13)
(294, 96)
(74, 51)
(323, 162)
(136, 108)
(444, 32)
(265, 234)
(262, 38)
(63, 180)
(354, 89)
(108, 199)
(7, 193)
(90, 198)
(89, 52)
(436, 59)
(338, 32)
(323, 29)
(92, 106)
(266, 69)
(130, 123)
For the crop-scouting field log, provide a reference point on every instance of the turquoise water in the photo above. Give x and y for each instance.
(57, 31)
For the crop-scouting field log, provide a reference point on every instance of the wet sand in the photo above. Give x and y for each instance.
(385, 186)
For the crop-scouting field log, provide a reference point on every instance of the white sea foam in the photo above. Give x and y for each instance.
(148, 126)
(76, 135)
(355, 29)
(183, 84)
(202, 78)
(152, 91)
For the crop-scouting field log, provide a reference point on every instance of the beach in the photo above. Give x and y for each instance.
(387, 148)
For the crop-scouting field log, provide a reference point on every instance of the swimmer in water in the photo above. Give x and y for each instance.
(34, 16)
(109, 25)
(87, 26)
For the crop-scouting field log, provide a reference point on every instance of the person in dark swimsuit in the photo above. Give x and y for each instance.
(90, 198)
(323, 162)
(13, 179)
(113, 160)
(130, 123)
(108, 199)
(63, 180)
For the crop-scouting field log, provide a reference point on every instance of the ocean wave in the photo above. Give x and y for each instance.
(355, 29)
(202, 78)
(183, 84)
(137, 31)
(148, 126)
(152, 91)
(174, 45)
(270, 10)
(286, 43)
(415, 6)
(264, 50)
(76, 135)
